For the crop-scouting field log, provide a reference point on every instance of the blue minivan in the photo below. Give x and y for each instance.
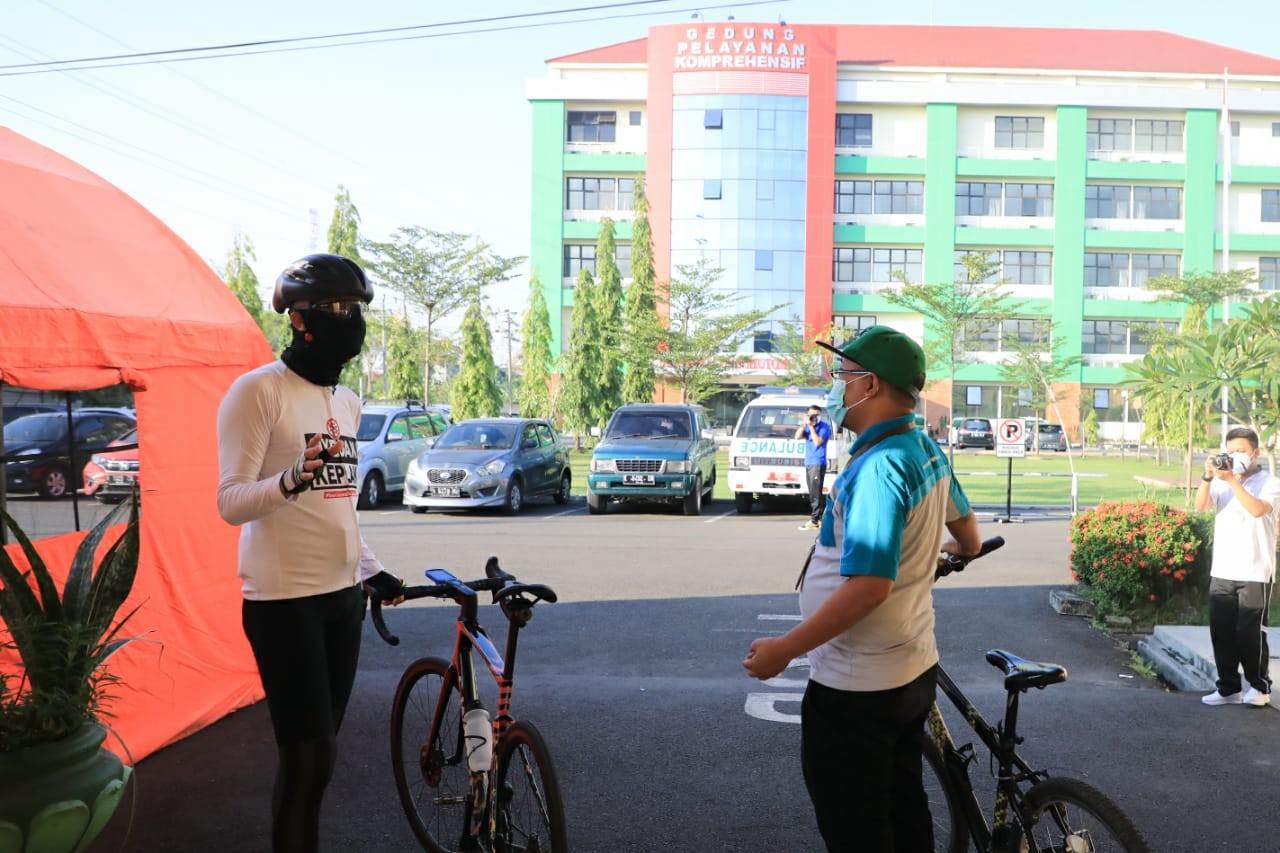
(660, 452)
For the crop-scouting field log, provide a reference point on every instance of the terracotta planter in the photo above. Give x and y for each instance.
(57, 797)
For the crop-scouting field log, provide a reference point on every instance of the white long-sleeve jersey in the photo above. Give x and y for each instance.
(305, 544)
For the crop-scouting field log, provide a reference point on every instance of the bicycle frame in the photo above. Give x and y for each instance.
(1011, 770)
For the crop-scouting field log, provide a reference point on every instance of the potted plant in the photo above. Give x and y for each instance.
(58, 786)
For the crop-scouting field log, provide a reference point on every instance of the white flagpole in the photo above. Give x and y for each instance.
(1225, 127)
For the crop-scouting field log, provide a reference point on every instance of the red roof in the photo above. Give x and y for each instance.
(1149, 51)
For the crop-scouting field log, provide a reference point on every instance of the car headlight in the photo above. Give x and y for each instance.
(678, 466)
(30, 451)
(490, 469)
(741, 463)
(603, 466)
(98, 460)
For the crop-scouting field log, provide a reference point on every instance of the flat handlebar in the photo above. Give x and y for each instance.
(948, 563)
(506, 590)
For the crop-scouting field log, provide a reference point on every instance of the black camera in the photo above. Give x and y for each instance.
(813, 419)
(1221, 461)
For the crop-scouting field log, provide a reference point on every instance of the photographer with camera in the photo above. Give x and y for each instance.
(816, 433)
(1246, 501)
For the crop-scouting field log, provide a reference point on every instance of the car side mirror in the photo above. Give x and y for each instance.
(394, 436)
(708, 434)
(431, 442)
(529, 443)
(594, 431)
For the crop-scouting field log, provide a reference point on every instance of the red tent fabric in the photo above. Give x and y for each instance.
(95, 291)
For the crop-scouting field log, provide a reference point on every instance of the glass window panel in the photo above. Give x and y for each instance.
(713, 119)
(1269, 273)
(711, 189)
(1157, 202)
(1157, 135)
(853, 130)
(764, 259)
(633, 118)
(1271, 205)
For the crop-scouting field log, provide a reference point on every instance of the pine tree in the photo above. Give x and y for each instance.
(476, 392)
(344, 227)
(640, 313)
(608, 299)
(578, 400)
(534, 397)
(243, 282)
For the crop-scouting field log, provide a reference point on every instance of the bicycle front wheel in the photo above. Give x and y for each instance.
(427, 755)
(530, 812)
(1067, 816)
(950, 831)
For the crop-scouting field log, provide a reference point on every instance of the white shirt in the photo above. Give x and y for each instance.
(305, 544)
(1244, 546)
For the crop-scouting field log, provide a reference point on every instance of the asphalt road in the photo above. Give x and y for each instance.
(635, 680)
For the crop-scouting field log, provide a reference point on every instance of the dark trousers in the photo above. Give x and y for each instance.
(813, 476)
(1237, 623)
(862, 757)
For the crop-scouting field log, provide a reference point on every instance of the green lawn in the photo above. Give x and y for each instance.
(983, 477)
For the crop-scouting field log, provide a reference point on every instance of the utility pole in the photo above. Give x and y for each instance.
(507, 316)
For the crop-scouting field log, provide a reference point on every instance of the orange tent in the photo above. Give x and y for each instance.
(95, 291)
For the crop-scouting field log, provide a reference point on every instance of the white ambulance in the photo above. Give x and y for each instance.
(765, 458)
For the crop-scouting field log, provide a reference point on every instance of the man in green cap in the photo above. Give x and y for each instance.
(867, 607)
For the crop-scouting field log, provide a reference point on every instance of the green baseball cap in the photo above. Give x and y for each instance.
(887, 353)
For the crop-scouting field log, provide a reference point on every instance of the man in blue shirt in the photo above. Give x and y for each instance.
(816, 433)
(867, 607)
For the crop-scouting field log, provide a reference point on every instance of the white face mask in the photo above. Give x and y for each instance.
(1241, 462)
(835, 403)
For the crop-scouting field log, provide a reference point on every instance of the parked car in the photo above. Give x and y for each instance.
(38, 447)
(653, 452)
(112, 475)
(975, 432)
(490, 462)
(388, 440)
(1051, 438)
(13, 411)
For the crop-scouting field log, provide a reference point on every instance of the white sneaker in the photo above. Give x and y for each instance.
(1256, 698)
(1216, 698)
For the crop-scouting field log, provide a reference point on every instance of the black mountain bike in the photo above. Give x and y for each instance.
(469, 784)
(1033, 812)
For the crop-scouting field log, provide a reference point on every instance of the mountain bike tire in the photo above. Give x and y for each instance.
(1068, 815)
(950, 829)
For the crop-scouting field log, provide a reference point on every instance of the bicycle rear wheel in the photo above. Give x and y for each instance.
(950, 831)
(1069, 816)
(429, 763)
(530, 812)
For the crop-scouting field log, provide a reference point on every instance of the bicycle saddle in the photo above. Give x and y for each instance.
(1023, 674)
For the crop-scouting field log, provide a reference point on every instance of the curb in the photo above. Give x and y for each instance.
(1175, 664)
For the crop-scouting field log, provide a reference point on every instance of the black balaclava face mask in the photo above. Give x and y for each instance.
(333, 342)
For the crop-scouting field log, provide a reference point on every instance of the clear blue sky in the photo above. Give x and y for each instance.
(432, 131)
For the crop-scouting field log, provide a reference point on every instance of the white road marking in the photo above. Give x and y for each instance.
(780, 617)
(763, 706)
(720, 516)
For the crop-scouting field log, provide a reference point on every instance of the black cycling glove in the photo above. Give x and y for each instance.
(384, 586)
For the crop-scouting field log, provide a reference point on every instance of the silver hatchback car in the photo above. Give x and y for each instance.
(388, 439)
(490, 462)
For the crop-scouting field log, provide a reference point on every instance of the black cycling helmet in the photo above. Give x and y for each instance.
(320, 278)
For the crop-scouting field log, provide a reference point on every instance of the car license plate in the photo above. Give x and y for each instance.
(446, 491)
(118, 479)
(637, 479)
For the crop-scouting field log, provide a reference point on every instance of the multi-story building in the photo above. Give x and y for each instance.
(816, 164)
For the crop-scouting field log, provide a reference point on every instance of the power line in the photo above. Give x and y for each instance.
(351, 34)
(153, 61)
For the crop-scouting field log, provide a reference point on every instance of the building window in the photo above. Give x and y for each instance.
(1028, 199)
(1104, 201)
(1019, 132)
(1109, 134)
(980, 336)
(874, 265)
(985, 335)
(766, 119)
(899, 196)
(633, 118)
(1120, 337)
(1157, 202)
(1235, 129)
(1150, 266)
(853, 130)
(763, 341)
(853, 196)
(592, 126)
(713, 119)
(852, 325)
(1271, 205)
(1275, 128)
(599, 193)
(1157, 135)
(764, 259)
(764, 190)
(1027, 267)
(1269, 273)
(577, 257)
(1106, 269)
(1102, 398)
(622, 256)
(711, 189)
(960, 272)
(977, 199)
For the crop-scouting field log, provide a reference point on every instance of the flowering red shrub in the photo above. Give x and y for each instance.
(1135, 556)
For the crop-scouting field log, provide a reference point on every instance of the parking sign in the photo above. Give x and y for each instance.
(1010, 438)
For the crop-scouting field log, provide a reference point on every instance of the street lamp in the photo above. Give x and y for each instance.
(430, 305)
